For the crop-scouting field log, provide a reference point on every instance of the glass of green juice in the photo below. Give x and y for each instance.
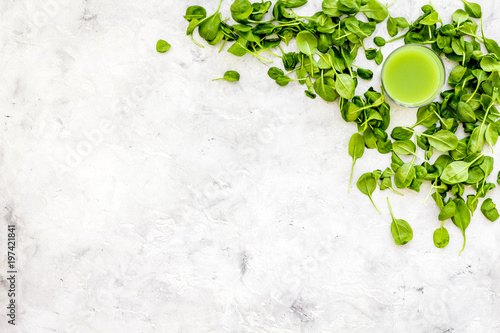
(413, 75)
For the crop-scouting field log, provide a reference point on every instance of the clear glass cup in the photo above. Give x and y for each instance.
(413, 75)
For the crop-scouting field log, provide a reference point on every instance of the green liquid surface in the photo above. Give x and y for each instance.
(413, 75)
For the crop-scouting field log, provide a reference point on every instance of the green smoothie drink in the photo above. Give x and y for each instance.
(413, 75)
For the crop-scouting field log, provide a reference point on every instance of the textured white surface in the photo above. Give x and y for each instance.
(148, 198)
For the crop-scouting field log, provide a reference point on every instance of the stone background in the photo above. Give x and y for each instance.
(148, 198)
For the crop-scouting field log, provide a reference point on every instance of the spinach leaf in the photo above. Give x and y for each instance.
(365, 74)
(229, 76)
(392, 27)
(239, 48)
(472, 203)
(324, 86)
(400, 229)
(293, 3)
(443, 140)
(259, 10)
(462, 217)
(195, 12)
(345, 86)
(370, 54)
(491, 136)
(374, 10)
(448, 211)
(456, 75)
(209, 27)
(379, 57)
(162, 46)
(283, 80)
(473, 9)
(356, 150)
(331, 9)
(274, 73)
(367, 185)
(379, 41)
(241, 10)
(455, 172)
(405, 175)
(349, 6)
(426, 115)
(430, 19)
(393, 23)
(404, 147)
(476, 141)
(465, 113)
(459, 16)
(401, 133)
(489, 210)
(307, 42)
(290, 60)
(441, 237)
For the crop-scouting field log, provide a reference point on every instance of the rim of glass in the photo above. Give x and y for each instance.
(431, 98)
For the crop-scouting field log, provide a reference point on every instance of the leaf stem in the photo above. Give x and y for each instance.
(396, 38)
(192, 38)
(390, 208)
(463, 247)
(350, 179)
(390, 4)
(374, 204)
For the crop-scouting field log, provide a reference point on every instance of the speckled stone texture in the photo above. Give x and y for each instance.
(148, 198)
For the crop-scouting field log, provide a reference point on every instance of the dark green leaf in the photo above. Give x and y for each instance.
(401, 133)
(462, 217)
(365, 74)
(325, 88)
(283, 80)
(275, 72)
(241, 10)
(379, 41)
(367, 185)
(448, 211)
(239, 48)
(489, 210)
(195, 12)
(426, 115)
(349, 6)
(400, 229)
(209, 28)
(230, 76)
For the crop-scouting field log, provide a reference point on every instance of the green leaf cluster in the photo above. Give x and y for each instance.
(433, 150)
(460, 161)
(332, 35)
